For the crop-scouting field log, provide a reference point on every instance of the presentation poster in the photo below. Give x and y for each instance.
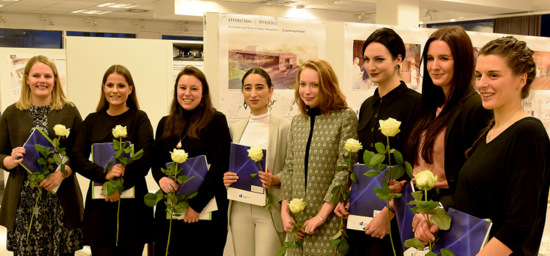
(278, 45)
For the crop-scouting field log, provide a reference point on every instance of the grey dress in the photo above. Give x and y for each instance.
(326, 152)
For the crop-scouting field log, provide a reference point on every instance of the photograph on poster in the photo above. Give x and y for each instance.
(16, 69)
(542, 80)
(410, 68)
(274, 44)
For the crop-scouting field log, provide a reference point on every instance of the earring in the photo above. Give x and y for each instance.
(398, 66)
(244, 105)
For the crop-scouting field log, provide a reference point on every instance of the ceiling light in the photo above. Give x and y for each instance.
(118, 6)
(453, 20)
(421, 22)
(10, 0)
(1, 5)
(84, 11)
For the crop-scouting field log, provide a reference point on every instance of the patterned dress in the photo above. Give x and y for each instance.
(48, 235)
(326, 152)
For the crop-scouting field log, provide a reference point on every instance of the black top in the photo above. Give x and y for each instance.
(214, 142)
(100, 216)
(507, 181)
(312, 113)
(401, 103)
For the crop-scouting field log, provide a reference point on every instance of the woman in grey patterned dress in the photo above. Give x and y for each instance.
(56, 227)
(315, 148)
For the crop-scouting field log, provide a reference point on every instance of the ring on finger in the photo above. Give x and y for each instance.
(169, 186)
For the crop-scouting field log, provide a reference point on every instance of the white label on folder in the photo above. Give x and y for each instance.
(357, 222)
(257, 189)
(375, 212)
(414, 252)
(245, 196)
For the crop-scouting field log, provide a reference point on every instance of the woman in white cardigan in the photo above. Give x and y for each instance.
(252, 229)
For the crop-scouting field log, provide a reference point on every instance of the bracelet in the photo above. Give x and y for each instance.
(391, 209)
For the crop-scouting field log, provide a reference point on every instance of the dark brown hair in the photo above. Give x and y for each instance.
(177, 122)
(432, 95)
(132, 101)
(330, 97)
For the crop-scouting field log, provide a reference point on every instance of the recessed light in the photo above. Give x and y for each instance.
(453, 20)
(119, 5)
(10, 0)
(84, 11)
(421, 22)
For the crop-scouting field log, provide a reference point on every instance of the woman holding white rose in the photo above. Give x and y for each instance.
(194, 125)
(251, 226)
(315, 148)
(117, 115)
(57, 222)
(383, 54)
(506, 177)
(451, 116)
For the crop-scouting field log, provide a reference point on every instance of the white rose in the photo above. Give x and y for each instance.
(425, 180)
(179, 156)
(390, 127)
(353, 145)
(119, 131)
(61, 130)
(297, 205)
(256, 154)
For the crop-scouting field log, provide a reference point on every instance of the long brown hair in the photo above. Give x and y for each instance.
(330, 97)
(132, 101)
(462, 84)
(58, 97)
(176, 122)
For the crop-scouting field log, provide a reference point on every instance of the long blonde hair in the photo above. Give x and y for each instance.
(58, 97)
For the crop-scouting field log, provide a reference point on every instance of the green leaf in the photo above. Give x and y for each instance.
(417, 195)
(380, 148)
(334, 242)
(40, 148)
(253, 175)
(414, 242)
(430, 254)
(137, 155)
(194, 194)
(127, 150)
(409, 169)
(117, 154)
(397, 171)
(150, 199)
(57, 158)
(398, 156)
(282, 251)
(371, 173)
(353, 178)
(116, 145)
(441, 219)
(382, 167)
(446, 252)
(41, 161)
(382, 193)
(377, 159)
(343, 247)
(108, 166)
(337, 235)
(427, 205)
(188, 179)
(367, 155)
(123, 161)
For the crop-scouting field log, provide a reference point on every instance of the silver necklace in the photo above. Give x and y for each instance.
(489, 134)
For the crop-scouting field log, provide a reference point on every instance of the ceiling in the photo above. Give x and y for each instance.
(430, 10)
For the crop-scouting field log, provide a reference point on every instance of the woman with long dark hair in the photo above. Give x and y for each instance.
(118, 105)
(194, 125)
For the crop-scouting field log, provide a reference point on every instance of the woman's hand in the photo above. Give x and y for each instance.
(396, 186)
(116, 171)
(379, 225)
(52, 181)
(229, 178)
(312, 224)
(15, 158)
(113, 198)
(191, 216)
(422, 231)
(341, 210)
(168, 185)
(266, 178)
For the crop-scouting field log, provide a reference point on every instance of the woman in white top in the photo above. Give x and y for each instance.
(252, 227)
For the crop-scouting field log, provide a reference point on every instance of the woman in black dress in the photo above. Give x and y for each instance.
(195, 126)
(118, 105)
(56, 228)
